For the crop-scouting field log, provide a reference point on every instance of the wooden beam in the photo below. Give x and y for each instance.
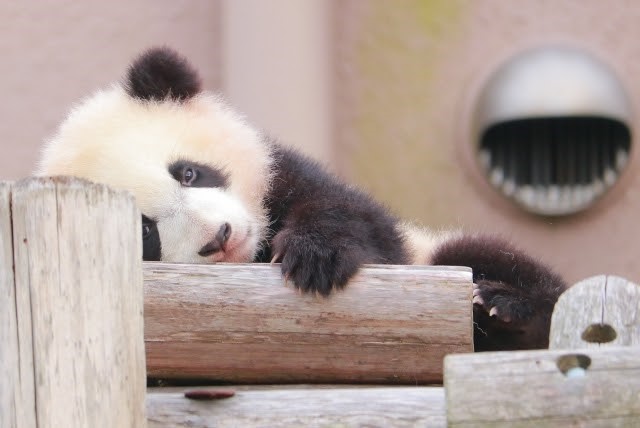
(78, 306)
(599, 311)
(594, 387)
(242, 324)
(288, 407)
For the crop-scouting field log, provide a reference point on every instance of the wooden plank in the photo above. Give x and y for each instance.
(588, 310)
(289, 407)
(241, 324)
(17, 399)
(528, 388)
(78, 271)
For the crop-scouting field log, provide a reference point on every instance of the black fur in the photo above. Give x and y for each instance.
(151, 246)
(323, 231)
(203, 175)
(523, 291)
(160, 74)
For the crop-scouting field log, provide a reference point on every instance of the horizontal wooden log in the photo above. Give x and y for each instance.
(241, 324)
(587, 387)
(296, 407)
(600, 311)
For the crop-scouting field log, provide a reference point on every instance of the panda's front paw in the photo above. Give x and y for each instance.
(313, 263)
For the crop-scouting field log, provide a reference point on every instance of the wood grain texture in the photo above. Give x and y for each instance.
(527, 389)
(600, 300)
(284, 407)
(241, 324)
(79, 281)
(17, 405)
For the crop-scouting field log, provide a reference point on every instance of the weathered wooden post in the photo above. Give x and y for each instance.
(71, 324)
(600, 311)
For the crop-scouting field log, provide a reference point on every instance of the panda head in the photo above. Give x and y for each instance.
(198, 171)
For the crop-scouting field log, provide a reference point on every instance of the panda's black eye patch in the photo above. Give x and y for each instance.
(193, 174)
(151, 246)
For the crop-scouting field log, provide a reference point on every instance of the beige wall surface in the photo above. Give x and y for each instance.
(54, 53)
(407, 75)
(277, 69)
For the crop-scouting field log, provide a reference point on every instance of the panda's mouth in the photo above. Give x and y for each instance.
(209, 252)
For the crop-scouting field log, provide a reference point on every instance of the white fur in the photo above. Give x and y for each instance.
(422, 242)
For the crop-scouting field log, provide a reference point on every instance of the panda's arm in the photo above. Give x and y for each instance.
(322, 230)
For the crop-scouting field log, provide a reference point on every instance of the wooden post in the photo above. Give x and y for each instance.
(599, 311)
(17, 401)
(75, 337)
(241, 324)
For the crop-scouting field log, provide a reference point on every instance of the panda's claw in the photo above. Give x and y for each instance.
(478, 300)
(493, 312)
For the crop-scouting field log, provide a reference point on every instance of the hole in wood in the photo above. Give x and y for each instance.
(573, 365)
(599, 333)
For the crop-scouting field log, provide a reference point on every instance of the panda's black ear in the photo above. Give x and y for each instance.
(162, 73)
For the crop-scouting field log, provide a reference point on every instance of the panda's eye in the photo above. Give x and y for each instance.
(193, 174)
(146, 231)
(189, 176)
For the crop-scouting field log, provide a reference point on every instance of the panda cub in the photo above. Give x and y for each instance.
(212, 188)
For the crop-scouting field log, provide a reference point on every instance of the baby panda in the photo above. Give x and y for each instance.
(212, 188)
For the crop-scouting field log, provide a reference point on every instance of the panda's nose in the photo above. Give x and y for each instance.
(218, 242)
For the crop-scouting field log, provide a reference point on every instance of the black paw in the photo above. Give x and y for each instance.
(504, 303)
(313, 263)
(507, 317)
(513, 296)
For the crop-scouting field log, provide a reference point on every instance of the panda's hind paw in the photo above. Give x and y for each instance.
(503, 302)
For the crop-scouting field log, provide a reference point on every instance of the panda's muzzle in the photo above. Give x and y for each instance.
(218, 243)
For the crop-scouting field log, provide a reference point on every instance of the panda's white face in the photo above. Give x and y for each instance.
(198, 171)
(204, 214)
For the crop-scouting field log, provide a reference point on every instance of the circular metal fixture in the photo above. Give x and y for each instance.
(552, 130)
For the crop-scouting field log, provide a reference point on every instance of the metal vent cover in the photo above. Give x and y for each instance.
(555, 165)
(551, 129)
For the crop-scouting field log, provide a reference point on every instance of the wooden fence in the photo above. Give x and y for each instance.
(73, 337)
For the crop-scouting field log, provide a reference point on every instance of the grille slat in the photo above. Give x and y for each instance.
(555, 165)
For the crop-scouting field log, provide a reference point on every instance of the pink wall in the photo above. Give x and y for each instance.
(55, 53)
(407, 75)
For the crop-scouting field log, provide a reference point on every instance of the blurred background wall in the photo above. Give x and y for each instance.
(382, 92)
(54, 53)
